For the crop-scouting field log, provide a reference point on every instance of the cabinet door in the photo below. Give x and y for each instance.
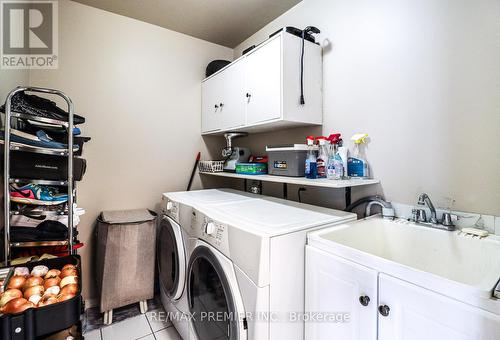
(263, 83)
(232, 86)
(417, 313)
(210, 110)
(334, 286)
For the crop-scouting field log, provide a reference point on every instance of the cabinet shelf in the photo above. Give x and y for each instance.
(320, 182)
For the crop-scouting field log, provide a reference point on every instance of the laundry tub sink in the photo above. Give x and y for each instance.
(450, 263)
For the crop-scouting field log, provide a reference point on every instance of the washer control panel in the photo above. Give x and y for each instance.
(170, 208)
(209, 230)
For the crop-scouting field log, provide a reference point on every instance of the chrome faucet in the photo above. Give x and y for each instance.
(424, 199)
(419, 215)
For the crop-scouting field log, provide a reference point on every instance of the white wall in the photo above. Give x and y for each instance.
(422, 77)
(138, 85)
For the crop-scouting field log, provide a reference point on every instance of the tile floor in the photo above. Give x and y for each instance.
(129, 324)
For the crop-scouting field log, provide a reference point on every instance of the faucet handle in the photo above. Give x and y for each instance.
(446, 221)
(419, 215)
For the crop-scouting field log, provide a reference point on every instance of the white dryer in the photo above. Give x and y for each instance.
(172, 247)
(246, 267)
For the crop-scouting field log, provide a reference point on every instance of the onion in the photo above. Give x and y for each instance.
(39, 270)
(13, 305)
(35, 299)
(64, 297)
(16, 282)
(52, 273)
(53, 281)
(67, 280)
(25, 306)
(13, 293)
(49, 301)
(33, 281)
(68, 272)
(22, 271)
(71, 288)
(10, 294)
(54, 290)
(35, 290)
(69, 265)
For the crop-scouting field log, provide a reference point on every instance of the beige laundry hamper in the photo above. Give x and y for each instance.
(125, 259)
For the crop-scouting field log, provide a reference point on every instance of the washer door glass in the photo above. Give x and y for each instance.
(210, 298)
(171, 261)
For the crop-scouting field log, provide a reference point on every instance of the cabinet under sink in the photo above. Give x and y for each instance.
(400, 281)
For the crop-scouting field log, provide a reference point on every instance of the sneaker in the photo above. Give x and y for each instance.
(40, 140)
(37, 194)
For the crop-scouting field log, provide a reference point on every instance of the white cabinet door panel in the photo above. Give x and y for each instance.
(210, 114)
(263, 83)
(335, 285)
(417, 313)
(232, 94)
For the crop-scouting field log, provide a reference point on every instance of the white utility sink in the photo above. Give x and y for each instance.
(447, 262)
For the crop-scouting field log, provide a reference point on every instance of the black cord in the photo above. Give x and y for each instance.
(302, 101)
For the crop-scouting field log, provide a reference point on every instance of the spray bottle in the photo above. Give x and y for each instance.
(311, 170)
(322, 159)
(357, 165)
(334, 140)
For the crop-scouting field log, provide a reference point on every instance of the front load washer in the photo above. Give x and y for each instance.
(245, 276)
(172, 247)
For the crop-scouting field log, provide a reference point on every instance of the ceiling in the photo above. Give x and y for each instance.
(224, 22)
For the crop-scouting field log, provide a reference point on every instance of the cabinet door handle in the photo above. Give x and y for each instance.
(216, 106)
(221, 105)
(248, 95)
(364, 300)
(384, 310)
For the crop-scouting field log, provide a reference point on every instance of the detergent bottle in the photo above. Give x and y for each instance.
(357, 165)
(311, 170)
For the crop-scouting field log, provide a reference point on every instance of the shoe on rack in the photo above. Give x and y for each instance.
(37, 194)
(41, 107)
(40, 140)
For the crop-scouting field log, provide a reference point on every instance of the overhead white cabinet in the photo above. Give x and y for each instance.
(396, 310)
(261, 90)
(342, 290)
(263, 83)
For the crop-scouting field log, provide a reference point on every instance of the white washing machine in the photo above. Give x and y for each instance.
(245, 274)
(172, 247)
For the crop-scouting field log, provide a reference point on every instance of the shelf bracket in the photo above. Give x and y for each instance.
(347, 196)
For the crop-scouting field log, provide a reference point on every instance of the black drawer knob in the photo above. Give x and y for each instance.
(364, 300)
(384, 310)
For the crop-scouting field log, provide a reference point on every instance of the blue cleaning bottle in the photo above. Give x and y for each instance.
(311, 170)
(357, 165)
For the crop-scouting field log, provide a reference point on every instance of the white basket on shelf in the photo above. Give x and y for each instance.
(211, 166)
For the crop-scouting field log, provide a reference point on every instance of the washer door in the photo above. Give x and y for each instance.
(213, 294)
(171, 258)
